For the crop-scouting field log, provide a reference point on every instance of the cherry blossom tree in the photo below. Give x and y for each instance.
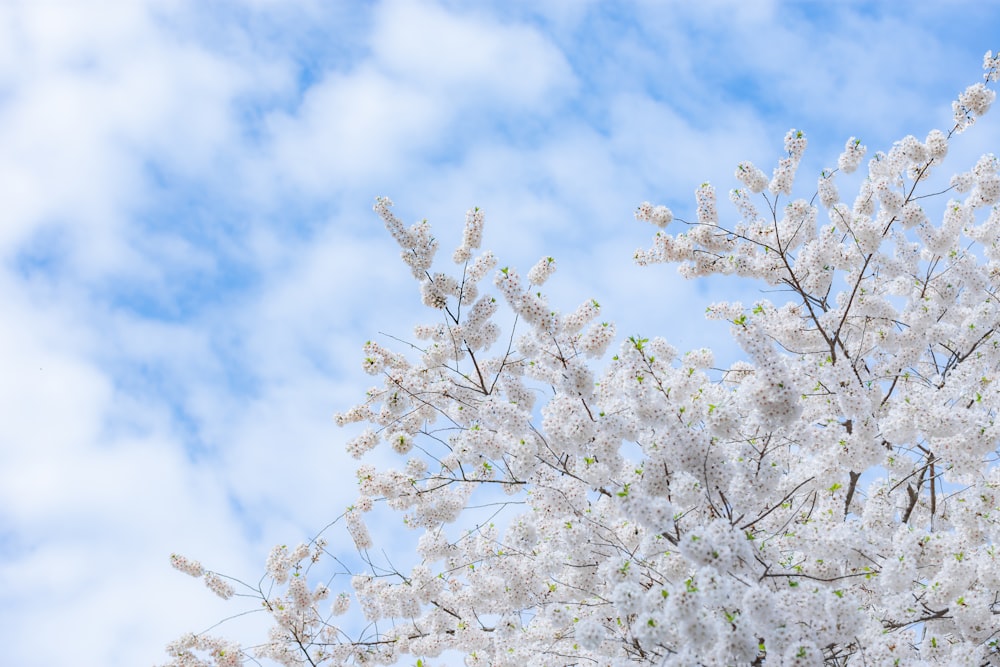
(833, 499)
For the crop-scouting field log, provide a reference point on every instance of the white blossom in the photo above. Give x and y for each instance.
(831, 498)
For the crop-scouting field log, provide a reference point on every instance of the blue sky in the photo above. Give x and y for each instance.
(189, 263)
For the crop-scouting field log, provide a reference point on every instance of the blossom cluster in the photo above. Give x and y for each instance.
(833, 498)
(213, 581)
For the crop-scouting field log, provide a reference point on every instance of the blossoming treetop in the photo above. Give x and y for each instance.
(834, 499)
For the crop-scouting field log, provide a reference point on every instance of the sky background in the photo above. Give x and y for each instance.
(189, 264)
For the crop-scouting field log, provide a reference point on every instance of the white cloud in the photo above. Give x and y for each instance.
(353, 129)
(88, 515)
(430, 76)
(465, 55)
(93, 95)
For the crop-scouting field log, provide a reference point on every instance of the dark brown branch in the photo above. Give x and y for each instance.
(779, 504)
